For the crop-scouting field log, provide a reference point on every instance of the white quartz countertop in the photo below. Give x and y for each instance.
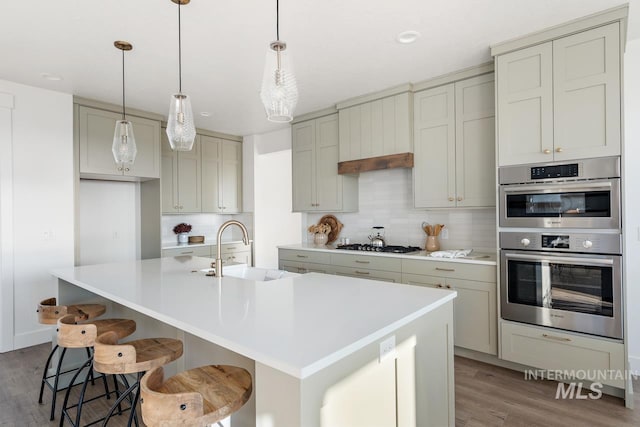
(206, 243)
(475, 257)
(298, 325)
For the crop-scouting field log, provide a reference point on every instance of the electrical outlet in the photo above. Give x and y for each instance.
(388, 349)
(444, 234)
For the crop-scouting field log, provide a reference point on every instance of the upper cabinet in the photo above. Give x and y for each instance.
(454, 150)
(560, 100)
(221, 175)
(377, 127)
(95, 129)
(181, 182)
(316, 183)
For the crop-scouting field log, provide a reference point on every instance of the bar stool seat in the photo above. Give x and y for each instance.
(133, 357)
(197, 397)
(49, 312)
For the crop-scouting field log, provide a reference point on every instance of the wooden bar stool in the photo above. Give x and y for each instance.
(48, 314)
(133, 357)
(72, 334)
(197, 397)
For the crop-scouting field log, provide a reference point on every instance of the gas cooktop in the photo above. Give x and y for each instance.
(370, 248)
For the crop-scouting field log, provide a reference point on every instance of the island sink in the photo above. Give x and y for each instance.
(243, 271)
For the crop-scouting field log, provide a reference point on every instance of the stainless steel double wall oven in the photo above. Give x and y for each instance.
(561, 245)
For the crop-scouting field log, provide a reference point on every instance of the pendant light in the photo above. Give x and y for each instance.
(279, 88)
(181, 129)
(124, 143)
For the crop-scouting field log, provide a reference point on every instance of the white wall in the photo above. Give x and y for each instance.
(36, 206)
(274, 222)
(108, 222)
(631, 182)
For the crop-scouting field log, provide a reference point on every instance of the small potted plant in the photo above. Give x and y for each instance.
(182, 230)
(321, 233)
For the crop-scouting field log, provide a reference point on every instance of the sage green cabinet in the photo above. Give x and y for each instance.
(181, 179)
(454, 144)
(376, 128)
(221, 175)
(316, 183)
(560, 100)
(95, 136)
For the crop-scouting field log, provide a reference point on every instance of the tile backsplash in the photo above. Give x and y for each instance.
(205, 225)
(386, 199)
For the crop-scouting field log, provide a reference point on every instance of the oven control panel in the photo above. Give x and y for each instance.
(554, 171)
(570, 242)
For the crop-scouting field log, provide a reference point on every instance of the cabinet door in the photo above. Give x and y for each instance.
(475, 315)
(304, 166)
(147, 134)
(525, 105)
(210, 172)
(169, 178)
(350, 131)
(586, 85)
(328, 182)
(231, 176)
(475, 142)
(96, 129)
(189, 179)
(434, 148)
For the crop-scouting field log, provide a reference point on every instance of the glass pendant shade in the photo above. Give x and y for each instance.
(279, 87)
(181, 129)
(124, 143)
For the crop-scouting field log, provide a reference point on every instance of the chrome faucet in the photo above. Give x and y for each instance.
(245, 239)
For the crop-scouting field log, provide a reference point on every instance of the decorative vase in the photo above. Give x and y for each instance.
(183, 237)
(432, 244)
(320, 239)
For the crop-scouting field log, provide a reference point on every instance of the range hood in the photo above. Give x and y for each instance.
(391, 161)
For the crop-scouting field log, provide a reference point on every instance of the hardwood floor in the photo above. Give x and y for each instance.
(486, 395)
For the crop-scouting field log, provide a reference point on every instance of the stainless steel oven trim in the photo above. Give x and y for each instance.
(613, 222)
(599, 167)
(611, 327)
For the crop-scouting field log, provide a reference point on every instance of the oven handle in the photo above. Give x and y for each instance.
(580, 261)
(549, 188)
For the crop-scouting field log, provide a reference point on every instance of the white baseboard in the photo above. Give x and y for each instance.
(634, 364)
(32, 338)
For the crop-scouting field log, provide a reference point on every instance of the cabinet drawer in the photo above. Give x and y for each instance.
(367, 262)
(365, 273)
(194, 251)
(482, 273)
(545, 348)
(305, 267)
(228, 248)
(305, 256)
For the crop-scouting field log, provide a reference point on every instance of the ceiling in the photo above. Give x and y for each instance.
(340, 48)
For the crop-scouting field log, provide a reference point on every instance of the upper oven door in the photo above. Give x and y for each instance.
(581, 204)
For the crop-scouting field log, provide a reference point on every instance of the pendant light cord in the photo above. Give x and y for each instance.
(179, 52)
(123, 108)
(278, 20)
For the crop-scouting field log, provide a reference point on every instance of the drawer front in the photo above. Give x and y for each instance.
(419, 280)
(304, 267)
(364, 273)
(305, 256)
(194, 251)
(482, 273)
(371, 262)
(554, 350)
(228, 248)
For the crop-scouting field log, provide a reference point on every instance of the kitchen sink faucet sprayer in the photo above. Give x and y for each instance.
(245, 239)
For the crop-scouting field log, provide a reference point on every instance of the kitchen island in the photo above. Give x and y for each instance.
(322, 350)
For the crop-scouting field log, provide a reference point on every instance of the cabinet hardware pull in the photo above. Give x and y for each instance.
(448, 286)
(302, 256)
(460, 199)
(451, 199)
(126, 169)
(547, 151)
(232, 249)
(551, 337)
(559, 150)
(188, 252)
(176, 207)
(363, 262)
(438, 285)
(362, 272)
(445, 269)
(181, 207)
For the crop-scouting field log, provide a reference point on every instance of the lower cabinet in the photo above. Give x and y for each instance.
(204, 251)
(550, 349)
(236, 252)
(305, 267)
(365, 273)
(296, 261)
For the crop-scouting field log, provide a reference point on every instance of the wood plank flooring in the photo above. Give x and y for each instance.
(486, 395)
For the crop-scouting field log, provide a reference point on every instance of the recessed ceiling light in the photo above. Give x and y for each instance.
(51, 77)
(205, 114)
(407, 37)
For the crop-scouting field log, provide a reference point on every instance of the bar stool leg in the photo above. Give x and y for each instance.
(44, 373)
(63, 412)
(89, 357)
(55, 385)
(127, 393)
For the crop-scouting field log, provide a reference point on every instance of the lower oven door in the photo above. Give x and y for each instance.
(575, 292)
